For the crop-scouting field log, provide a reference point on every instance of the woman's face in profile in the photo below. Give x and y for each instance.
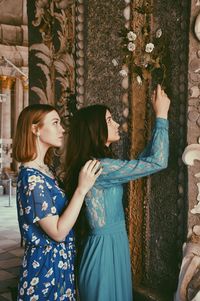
(113, 129)
(51, 132)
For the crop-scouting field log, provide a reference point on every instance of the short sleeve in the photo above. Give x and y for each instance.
(36, 199)
(153, 159)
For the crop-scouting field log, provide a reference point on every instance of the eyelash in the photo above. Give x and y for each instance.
(55, 122)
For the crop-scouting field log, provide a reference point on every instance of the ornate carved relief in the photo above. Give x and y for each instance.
(188, 287)
(55, 53)
(80, 53)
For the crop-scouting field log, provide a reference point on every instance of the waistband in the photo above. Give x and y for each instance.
(109, 229)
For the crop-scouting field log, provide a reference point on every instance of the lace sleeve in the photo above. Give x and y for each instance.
(154, 158)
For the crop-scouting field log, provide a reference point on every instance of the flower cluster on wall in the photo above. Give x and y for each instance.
(144, 50)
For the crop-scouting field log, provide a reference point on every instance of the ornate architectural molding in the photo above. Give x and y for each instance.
(13, 35)
(79, 21)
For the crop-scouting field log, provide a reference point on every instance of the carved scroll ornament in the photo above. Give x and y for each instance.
(189, 286)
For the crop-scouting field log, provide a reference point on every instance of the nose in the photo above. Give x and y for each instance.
(117, 125)
(62, 129)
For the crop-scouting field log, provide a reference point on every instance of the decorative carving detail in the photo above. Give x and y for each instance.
(80, 81)
(191, 249)
(137, 218)
(197, 27)
(55, 53)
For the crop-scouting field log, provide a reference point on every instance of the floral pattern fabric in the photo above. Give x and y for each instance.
(47, 271)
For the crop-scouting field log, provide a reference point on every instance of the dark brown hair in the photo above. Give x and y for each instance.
(88, 134)
(87, 137)
(24, 144)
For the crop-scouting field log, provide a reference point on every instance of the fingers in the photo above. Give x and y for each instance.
(99, 171)
(85, 167)
(91, 166)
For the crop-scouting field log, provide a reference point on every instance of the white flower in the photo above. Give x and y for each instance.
(61, 252)
(47, 249)
(115, 62)
(44, 206)
(60, 264)
(149, 47)
(37, 241)
(21, 291)
(49, 273)
(34, 298)
(35, 264)
(53, 210)
(65, 266)
(39, 179)
(123, 73)
(53, 281)
(25, 227)
(25, 284)
(34, 281)
(131, 46)
(36, 219)
(24, 264)
(44, 291)
(32, 185)
(25, 273)
(32, 179)
(47, 284)
(158, 33)
(34, 237)
(131, 36)
(28, 209)
(139, 80)
(30, 290)
(69, 292)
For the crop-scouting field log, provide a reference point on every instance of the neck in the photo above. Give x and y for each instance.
(41, 155)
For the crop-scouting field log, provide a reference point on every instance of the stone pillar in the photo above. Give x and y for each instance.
(6, 107)
(25, 92)
(189, 277)
(6, 122)
(18, 99)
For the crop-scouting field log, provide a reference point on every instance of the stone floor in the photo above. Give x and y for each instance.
(10, 250)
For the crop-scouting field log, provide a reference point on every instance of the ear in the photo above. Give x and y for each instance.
(35, 130)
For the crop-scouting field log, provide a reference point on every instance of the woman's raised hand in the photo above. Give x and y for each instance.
(88, 175)
(160, 102)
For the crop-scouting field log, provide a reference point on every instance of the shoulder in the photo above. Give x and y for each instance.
(29, 175)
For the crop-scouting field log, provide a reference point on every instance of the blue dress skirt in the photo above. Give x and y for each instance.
(105, 269)
(47, 271)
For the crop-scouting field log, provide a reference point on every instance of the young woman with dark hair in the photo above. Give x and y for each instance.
(105, 270)
(45, 216)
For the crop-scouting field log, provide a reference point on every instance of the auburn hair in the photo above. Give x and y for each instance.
(24, 143)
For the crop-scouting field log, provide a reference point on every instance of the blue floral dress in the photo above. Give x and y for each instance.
(105, 268)
(47, 271)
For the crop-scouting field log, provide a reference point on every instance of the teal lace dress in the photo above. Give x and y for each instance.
(105, 269)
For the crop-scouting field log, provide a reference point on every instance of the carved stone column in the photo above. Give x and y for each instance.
(6, 122)
(25, 92)
(6, 107)
(189, 277)
(18, 99)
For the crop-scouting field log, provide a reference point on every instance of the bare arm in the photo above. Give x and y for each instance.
(57, 227)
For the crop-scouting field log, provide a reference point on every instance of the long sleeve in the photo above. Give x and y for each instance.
(153, 159)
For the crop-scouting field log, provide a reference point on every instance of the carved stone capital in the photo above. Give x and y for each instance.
(7, 81)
